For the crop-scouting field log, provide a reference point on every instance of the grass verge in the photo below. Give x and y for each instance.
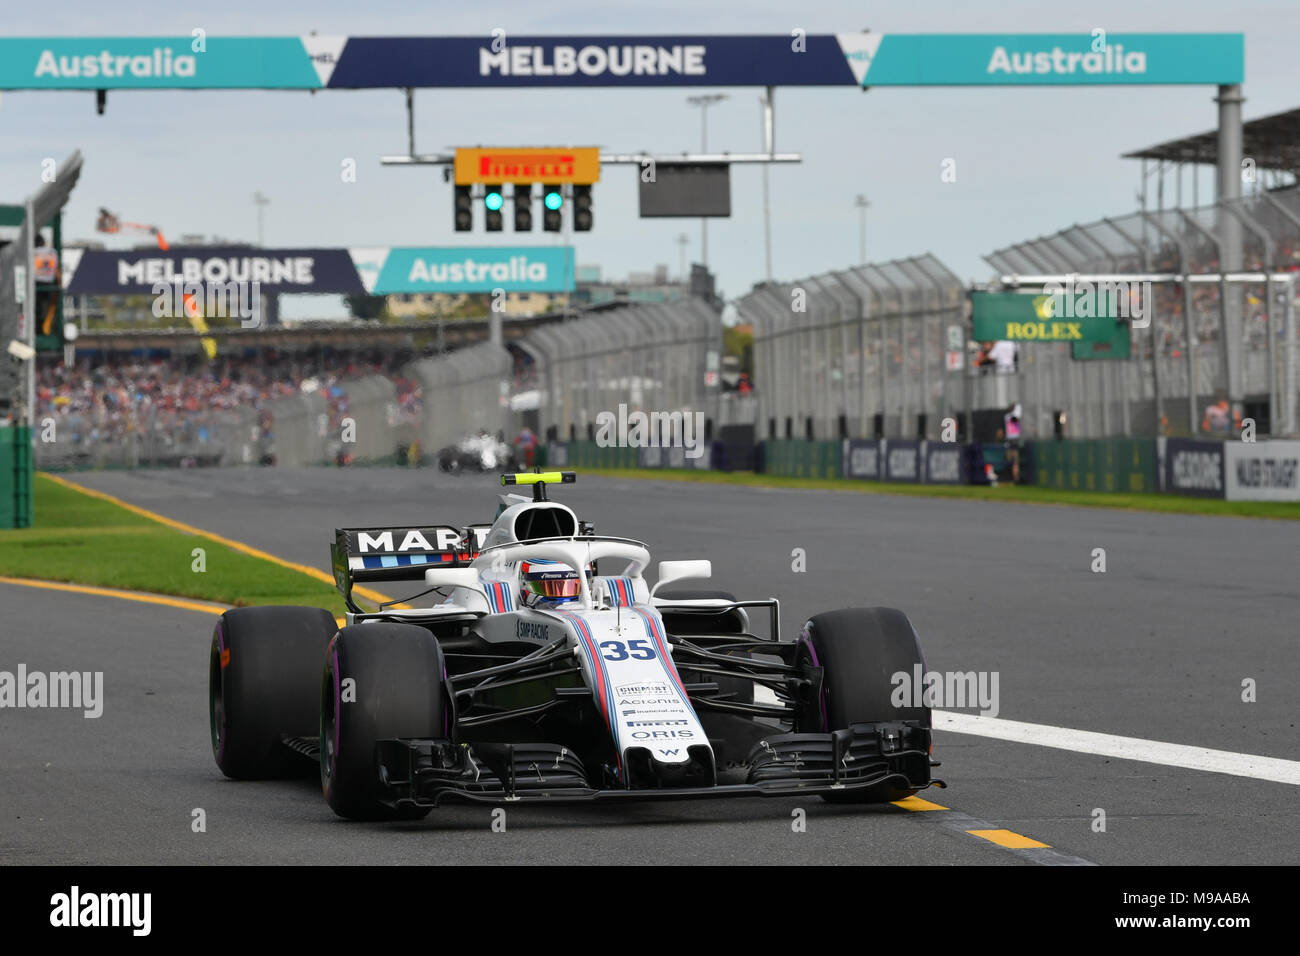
(84, 540)
(1029, 494)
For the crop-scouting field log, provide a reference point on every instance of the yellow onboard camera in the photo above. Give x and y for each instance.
(539, 480)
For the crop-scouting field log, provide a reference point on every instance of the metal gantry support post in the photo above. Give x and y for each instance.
(769, 142)
(30, 318)
(1229, 188)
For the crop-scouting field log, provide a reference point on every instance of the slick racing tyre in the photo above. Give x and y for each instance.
(263, 673)
(382, 680)
(729, 688)
(859, 649)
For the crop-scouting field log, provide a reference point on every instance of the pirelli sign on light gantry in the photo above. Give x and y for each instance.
(525, 165)
(559, 170)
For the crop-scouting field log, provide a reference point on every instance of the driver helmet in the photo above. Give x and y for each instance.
(549, 581)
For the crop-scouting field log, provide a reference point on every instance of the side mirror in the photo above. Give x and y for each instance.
(670, 571)
(453, 577)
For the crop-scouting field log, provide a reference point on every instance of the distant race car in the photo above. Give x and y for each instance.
(540, 678)
(477, 453)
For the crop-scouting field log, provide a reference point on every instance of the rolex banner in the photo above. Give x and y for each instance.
(1022, 317)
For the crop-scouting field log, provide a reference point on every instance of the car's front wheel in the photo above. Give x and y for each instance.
(859, 650)
(382, 680)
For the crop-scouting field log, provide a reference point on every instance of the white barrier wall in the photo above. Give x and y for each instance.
(1262, 471)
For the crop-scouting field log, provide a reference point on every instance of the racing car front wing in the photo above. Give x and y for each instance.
(425, 772)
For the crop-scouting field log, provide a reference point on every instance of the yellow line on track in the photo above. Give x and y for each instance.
(367, 593)
(917, 805)
(1009, 839)
(143, 597)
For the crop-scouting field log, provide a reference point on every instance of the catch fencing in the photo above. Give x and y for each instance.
(859, 352)
(660, 357)
(465, 391)
(1243, 315)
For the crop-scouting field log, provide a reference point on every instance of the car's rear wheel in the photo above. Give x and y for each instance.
(263, 668)
(382, 680)
(859, 650)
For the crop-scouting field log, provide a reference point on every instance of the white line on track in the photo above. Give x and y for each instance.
(1121, 748)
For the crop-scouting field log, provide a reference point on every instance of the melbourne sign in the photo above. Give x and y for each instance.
(380, 270)
(99, 272)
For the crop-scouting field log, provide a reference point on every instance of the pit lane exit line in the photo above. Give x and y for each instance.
(1273, 769)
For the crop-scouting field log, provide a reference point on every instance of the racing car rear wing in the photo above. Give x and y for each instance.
(396, 554)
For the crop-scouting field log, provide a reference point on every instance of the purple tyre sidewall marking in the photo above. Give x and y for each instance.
(221, 679)
(806, 638)
(338, 711)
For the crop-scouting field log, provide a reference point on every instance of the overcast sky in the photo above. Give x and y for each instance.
(1029, 161)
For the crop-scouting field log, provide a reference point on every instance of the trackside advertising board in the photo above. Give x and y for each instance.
(943, 463)
(902, 460)
(861, 458)
(1262, 471)
(1020, 317)
(896, 459)
(198, 61)
(1194, 467)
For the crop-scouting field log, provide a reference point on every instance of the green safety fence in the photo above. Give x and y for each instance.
(16, 505)
(588, 454)
(1096, 464)
(797, 458)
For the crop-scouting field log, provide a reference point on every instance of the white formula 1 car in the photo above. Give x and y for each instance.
(548, 669)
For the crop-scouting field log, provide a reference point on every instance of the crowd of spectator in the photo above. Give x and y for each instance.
(179, 401)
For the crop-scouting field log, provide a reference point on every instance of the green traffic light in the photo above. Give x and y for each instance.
(493, 201)
(554, 201)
